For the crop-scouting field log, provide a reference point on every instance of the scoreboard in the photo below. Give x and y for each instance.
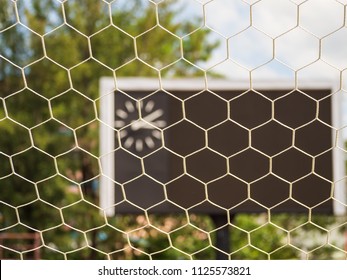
(222, 147)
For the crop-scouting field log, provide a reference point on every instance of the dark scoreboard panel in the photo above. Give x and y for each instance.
(244, 151)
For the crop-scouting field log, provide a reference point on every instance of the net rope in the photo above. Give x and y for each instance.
(50, 117)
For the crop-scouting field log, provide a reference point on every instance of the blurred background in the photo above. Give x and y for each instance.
(52, 56)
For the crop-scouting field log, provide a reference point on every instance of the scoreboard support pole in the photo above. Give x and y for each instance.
(223, 236)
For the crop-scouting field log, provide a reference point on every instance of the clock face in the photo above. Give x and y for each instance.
(139, 135)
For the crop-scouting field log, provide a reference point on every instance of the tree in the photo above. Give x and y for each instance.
(52, 58)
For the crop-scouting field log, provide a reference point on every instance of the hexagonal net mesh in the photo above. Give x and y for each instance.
(154, 129)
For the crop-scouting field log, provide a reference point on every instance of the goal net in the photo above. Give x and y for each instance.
(173, 129)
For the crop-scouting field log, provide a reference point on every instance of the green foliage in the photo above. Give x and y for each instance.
(33, 109)
(50, 66)
(10, 143)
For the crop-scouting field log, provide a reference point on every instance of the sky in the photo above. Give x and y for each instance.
(276, 39)
(297, 32)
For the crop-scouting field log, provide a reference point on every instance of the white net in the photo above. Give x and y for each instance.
(172, 129)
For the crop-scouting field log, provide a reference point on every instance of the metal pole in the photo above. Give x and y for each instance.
(222, 237)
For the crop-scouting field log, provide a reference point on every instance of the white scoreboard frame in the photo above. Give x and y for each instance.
(107, 140)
